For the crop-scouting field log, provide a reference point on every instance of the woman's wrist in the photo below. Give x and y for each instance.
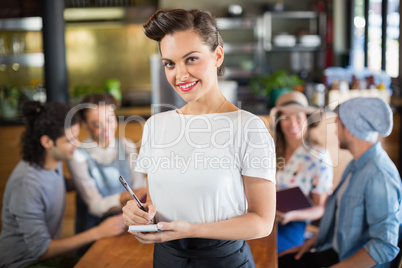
(291, 215)
(192, 230)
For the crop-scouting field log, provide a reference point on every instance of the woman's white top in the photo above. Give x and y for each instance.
(195, 163)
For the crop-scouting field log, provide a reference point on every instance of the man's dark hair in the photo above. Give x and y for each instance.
(336, 110)
(96, 99)
(43, 119)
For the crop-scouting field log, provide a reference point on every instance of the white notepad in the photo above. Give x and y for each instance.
(143, 228)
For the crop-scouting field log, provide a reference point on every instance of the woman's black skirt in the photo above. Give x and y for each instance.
(203, 253)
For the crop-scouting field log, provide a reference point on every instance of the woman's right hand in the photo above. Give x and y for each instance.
(133, 215)
(284, 217)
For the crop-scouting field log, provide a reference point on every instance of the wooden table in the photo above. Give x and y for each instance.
(126, 251)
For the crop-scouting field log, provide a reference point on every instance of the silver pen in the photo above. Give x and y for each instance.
(125, 184)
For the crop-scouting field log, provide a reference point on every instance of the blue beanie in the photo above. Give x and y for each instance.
(365, 118)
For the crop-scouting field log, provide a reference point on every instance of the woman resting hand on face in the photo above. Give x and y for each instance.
(301, 162)
(210, 166)
(98, 163)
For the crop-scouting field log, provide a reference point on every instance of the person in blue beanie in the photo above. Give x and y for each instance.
(360, 226)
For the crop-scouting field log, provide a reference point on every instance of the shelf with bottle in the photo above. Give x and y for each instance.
(242, 45)
(234, 73)
(296, 48)
(21, 24)
(13, 44)
(347, 83)
(28, 59)
(308, 40)
(243, 34)
(237, 23)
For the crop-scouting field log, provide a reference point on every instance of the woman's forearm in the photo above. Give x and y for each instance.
(257, 222)
(245, 227)
(312, 213)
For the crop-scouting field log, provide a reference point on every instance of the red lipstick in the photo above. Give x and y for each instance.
(187, 86)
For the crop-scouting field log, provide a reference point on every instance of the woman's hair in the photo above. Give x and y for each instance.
(162, 23)
(96, 99)
(48, 119)
(280, 141)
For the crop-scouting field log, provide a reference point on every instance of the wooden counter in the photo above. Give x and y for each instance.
(126, 251)
(144, 112)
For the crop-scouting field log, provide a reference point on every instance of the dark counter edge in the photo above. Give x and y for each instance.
(12, 121)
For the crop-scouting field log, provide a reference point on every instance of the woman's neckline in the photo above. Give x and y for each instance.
(294, 153)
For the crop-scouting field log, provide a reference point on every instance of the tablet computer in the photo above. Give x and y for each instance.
(292, 199)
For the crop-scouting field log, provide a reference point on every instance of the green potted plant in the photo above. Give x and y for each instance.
(273, 85)
(9, 99)
(110, 86)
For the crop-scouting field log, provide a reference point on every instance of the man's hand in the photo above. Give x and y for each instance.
(112, 226)
(125, 197)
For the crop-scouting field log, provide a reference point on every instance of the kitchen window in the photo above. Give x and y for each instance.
(375, 33)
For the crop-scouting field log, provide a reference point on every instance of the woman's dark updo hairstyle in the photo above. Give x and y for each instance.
(43, 119)
(95, 99)
(162, 23)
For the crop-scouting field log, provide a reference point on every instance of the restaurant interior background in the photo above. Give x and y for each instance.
(316, 43)
(104, 40)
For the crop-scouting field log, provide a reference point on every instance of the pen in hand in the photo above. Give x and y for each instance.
(123, 181)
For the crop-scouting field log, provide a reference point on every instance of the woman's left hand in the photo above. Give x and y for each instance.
(168, 231)
(284, 217)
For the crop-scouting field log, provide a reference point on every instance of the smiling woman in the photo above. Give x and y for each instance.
(192, 70)
(225, 194)
(303, 163)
